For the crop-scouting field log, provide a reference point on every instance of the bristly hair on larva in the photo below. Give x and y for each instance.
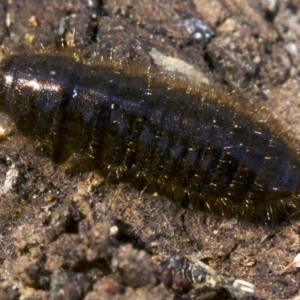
(203, 148)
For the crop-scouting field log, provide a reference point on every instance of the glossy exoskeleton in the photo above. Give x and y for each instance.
(158, 132)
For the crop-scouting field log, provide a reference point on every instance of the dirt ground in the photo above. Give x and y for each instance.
(75, 237)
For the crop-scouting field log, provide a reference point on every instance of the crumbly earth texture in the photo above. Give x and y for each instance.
(68, 236)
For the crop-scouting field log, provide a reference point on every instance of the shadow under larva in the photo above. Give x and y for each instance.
(200, 147)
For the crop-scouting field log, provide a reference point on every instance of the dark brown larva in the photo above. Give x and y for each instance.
(200, 148)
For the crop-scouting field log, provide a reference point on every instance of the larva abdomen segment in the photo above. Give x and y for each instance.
(156, 132)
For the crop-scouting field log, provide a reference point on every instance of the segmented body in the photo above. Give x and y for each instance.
(156, 132)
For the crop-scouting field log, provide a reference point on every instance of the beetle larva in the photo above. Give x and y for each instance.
(158, 132)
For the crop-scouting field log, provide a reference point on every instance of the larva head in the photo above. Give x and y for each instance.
(35, 88)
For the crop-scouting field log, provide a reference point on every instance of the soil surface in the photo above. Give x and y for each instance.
(68, 236)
